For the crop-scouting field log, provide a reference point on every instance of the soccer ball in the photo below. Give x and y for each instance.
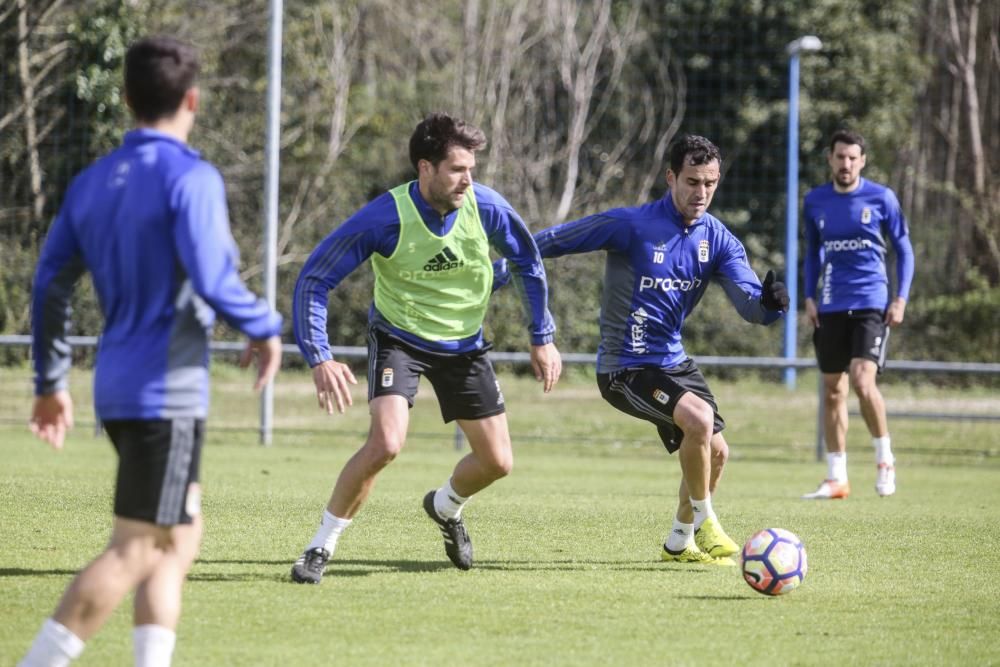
(774, 561)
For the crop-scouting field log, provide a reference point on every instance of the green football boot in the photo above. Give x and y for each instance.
(692, 554)
(711, 539)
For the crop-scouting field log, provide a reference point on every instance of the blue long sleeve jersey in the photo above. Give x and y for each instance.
(845, 235)
(149, 221)
(657, 270)
(375, 229)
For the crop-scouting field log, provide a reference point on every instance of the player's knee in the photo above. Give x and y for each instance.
(864, 387)
(185, 542)
(699, 423)
(504, 466)
(834, 394)
(720, 454)
(382, 450)
(498, 465)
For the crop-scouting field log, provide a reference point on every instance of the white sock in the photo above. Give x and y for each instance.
(447, 503)
(680, 535)
(54, 646)
(702, 511)
(153, 645)
(329, 532)
(883, 450)
(836, 466)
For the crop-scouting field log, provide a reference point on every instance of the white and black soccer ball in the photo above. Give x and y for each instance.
(774, 561)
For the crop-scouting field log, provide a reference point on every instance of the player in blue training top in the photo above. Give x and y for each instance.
(846, 222)
(149, 222)
(429, 243)
(660, 259)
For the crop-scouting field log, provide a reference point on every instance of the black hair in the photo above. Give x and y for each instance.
(693, 150)
(439, 132)
(849, 137)
(158, 72)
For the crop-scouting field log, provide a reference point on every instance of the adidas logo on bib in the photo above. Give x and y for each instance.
(443, 261)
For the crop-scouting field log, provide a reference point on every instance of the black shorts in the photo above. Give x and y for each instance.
(465, 384)
(850, 334)
(158, 459)
(651, 393)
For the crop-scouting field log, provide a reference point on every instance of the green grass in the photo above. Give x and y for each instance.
(567, 569)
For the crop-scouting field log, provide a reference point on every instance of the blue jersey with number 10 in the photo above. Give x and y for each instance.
(656, 272)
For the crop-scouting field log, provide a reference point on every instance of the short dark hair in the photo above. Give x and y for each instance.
(158, 72)
(439, 132)
(693, 150)
(849, 137)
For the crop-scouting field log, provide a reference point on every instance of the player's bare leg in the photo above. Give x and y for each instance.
(719, 457)
(863, 380)
(835, 485)
(491, 459)
(133, 552)
(157, 606)
(702, 455)
(390, 419)
(492, 456)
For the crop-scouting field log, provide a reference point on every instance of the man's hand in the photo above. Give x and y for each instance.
(773, 295)
(812, 313)
(331, 379)
(546, 362)
(51, 417)
(894, 313)
(268, 355)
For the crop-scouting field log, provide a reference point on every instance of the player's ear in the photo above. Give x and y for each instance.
(671, 178)
(192, 98)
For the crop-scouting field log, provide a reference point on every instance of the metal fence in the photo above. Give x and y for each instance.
(576, 358)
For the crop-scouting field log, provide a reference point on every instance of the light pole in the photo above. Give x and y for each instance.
(807, 43)
(272, 164)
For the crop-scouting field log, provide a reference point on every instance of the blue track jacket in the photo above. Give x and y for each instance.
(150, 224)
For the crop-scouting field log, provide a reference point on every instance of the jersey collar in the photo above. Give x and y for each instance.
(144, 135)
(674, 216)
(427, 212)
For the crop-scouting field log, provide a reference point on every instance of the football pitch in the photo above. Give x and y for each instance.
(567, 567)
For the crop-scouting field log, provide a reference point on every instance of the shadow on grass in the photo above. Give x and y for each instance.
(27, 572)
(277, 570)
(569, 565)
(721, 598)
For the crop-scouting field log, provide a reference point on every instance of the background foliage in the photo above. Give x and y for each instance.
(578, 99)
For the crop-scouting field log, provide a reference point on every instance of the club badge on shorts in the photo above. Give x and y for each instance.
(386, 377)
(192, 504)
(661, 396)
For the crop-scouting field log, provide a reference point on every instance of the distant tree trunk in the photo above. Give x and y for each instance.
(30, 122)
(578, 71)
(966, 63)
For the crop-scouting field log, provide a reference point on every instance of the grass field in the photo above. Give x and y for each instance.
(567, 569)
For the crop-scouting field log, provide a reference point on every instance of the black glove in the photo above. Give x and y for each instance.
(773, 295)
